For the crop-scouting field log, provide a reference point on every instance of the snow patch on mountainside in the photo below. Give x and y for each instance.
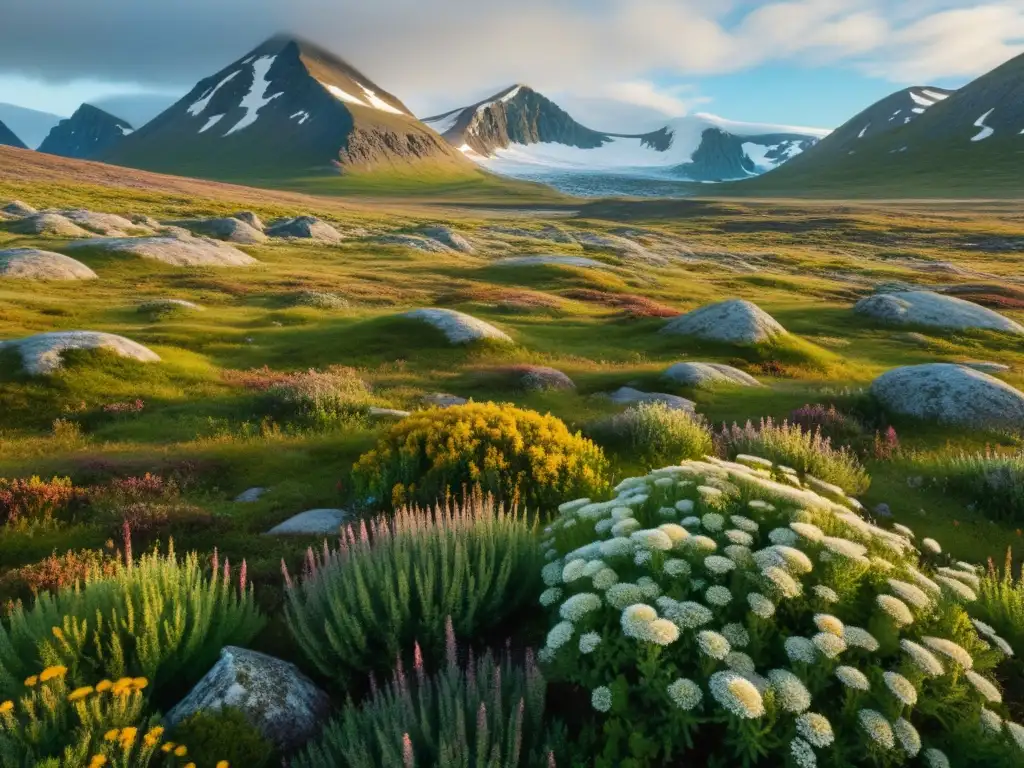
(378, 103)
(986, 131)
(257, 97)
(197, 108)
(210, 123)
(934, 95)
(444, 123)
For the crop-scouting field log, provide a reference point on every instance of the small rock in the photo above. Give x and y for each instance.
(275, 697)
(708, 375)
(630, 396)
(34, 264)
(443, 400)
(541, 378)
(250, 495)
(934, 309)
(49, 224)
(305, 228)
(458, 327)
(388, 413)
(312, 521)
(18, 208)
(450, 238)
(232, 230)
(986, 367)
(249, 218)
(735, 321)
(42, 354)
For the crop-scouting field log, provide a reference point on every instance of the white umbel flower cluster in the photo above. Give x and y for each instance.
(736, 695)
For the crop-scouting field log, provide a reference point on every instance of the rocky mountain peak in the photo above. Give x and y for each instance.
(87, 133)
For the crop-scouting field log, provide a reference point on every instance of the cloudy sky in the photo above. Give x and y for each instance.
(617, 64)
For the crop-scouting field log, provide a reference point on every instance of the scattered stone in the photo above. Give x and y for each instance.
(250, 495)
(305, 228)
(178, 251)
(42, 354)
(18, 208)
(736, 321)
(34, 264)
(708, 375)
(275, 697)
(167, 306)
(106, 224)
(630, 396)
(230, 229)
(458, 327)
(541, 378)
(417, 243)
(985, 366)
(249, 218)
(310, 522)
(443, 400)
(565, 261)
(449, 237)
(388, 413)
(48, 224)
(951, 393)
(934, 309)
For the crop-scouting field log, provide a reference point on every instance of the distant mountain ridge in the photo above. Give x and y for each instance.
(287, 108)
(30, 125)
(7, 138)
(89, 132)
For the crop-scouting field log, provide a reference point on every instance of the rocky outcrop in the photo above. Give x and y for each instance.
(708, 375)
(953, 394)
(305, 228)
(177, 251)
(458, 327)
(42, 354)
(275, 697)
(232, 230)
(87, 133)
(736, 321)
(311, 522)
(34, 264)
(48, 225)
(935, 310)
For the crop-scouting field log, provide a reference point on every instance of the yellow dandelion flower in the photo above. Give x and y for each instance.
(180, 751)
(80, 693)
(128, 736)
(51, 672)
(139, 683)
(103, 686)
(5, 707)
(97, 761)
(167, 747)
(31, 681)
(111, 735)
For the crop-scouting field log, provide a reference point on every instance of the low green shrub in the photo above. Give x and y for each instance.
(792, 446)
(487, 713)
(992, 482)
(717, 617)
(224, 734)
(654, 435)
(321, 398)
(514, 454)
(394, 582)
(1001, 601)
(160, 617)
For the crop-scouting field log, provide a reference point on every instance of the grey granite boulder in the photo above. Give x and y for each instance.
(178, 251)
(736, 321)
(449, 237)
(541, 378)
(935, 310)
(230, 229)
(250, 495)
(34, 264)
(630, 396)
(951, 393)
(458, 327)
(708, 375)
(249, 218)
(50, 225)
(275, 697)
(18, 208)
(42, 354)
(305, 228)
(311, 522)
(106, 224)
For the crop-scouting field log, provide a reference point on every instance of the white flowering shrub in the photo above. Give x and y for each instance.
(717, 616)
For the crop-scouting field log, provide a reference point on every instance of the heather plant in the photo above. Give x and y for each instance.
(56, 572)
(33, 501)
(830, 421)
(487, 712)
(322, 398)
(514, 454)
(395, 580)
(161, 617)
(793, 446)
(886, 446)
(716, 616)
(654, 434)
(992, 482)
(1001, 601)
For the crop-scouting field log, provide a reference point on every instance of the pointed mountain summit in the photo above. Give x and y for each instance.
(518, 131)
(7, 138)
(87, 133)
(288, 108)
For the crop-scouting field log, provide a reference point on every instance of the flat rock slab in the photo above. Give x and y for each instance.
(311, 522)
(708, 375)
(250, 495)
(305, 228)
(107, 224)
(49, 224)
(229, 229)
(34, 264)
(458, 327)
(953, 394)
(443, 400)
(42, 354)
(985, 366)
(564, 261)
(18, 208)
(934, 309)
(735, 321)
(417, 243)
(249, 218)
(176, 251)
(630, 396)
(449, 237)
(275, 697)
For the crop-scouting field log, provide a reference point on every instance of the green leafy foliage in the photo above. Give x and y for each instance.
(718, 617)
(654, 434)
(160, 617)
(792, 446)
(993, 482)
(394, 581)
(486, 713)
(510, 452)
(224, 734)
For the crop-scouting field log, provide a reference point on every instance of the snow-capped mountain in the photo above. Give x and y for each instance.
(519, 132)
(87, 133)
(7, 138)
(286, 108)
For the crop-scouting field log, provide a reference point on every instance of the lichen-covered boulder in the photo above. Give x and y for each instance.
(630, 396)
(179, 251)
(458, 327)
(18, 208)
(48, 225)
(951, 393)
(275, 697)
(541, 378)
(935, 310)
(735, 321)
(249, 218)
(106, 224)
(708, 375)
(231, 229)
(43, 353)
(34, 264)
(305, 228)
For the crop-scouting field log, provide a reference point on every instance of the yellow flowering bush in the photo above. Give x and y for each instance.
(512, 453)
